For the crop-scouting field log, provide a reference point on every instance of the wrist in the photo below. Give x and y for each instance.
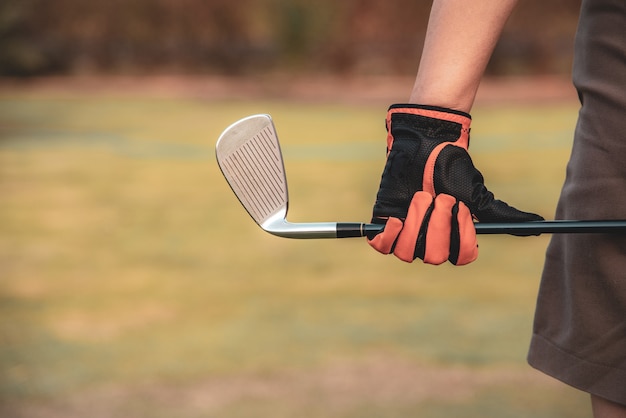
(458, 102)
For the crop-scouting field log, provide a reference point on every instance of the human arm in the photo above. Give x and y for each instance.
(460, 39)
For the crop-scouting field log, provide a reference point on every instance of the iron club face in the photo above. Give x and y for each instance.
(250, 158)
(249, 155)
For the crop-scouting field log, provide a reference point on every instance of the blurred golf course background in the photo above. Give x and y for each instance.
(133, 283)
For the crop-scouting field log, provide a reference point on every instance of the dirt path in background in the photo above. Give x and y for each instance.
(335, 389)
(371, 90)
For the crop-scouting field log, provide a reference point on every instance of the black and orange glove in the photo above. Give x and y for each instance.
(430, 191)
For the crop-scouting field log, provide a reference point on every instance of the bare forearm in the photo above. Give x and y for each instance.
(460, 39)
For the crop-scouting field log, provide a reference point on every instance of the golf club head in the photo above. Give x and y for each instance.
(249, 155)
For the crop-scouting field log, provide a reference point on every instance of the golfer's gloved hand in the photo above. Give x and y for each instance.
(427, 158)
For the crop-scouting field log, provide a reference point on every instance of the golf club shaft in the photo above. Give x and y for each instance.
(349, 230)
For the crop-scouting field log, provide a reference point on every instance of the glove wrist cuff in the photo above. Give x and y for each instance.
(461, 119)
(411, 107)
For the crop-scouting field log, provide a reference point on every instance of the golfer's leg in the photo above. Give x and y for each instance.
(603, 408)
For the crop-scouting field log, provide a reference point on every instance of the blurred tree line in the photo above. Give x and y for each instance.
(39, 37)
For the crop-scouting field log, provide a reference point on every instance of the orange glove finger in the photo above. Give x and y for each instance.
(439, 229)
(385, 241)
(413, 226)
(464, 245)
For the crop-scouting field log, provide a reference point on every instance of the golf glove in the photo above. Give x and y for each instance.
(430, 191)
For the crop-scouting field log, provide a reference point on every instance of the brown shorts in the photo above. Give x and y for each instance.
(580, 322)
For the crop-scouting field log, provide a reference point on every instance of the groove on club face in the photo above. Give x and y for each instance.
(249, 155)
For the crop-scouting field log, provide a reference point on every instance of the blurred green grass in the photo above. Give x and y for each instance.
(128, 265)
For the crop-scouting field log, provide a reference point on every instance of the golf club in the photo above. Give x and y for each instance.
(249, 155)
